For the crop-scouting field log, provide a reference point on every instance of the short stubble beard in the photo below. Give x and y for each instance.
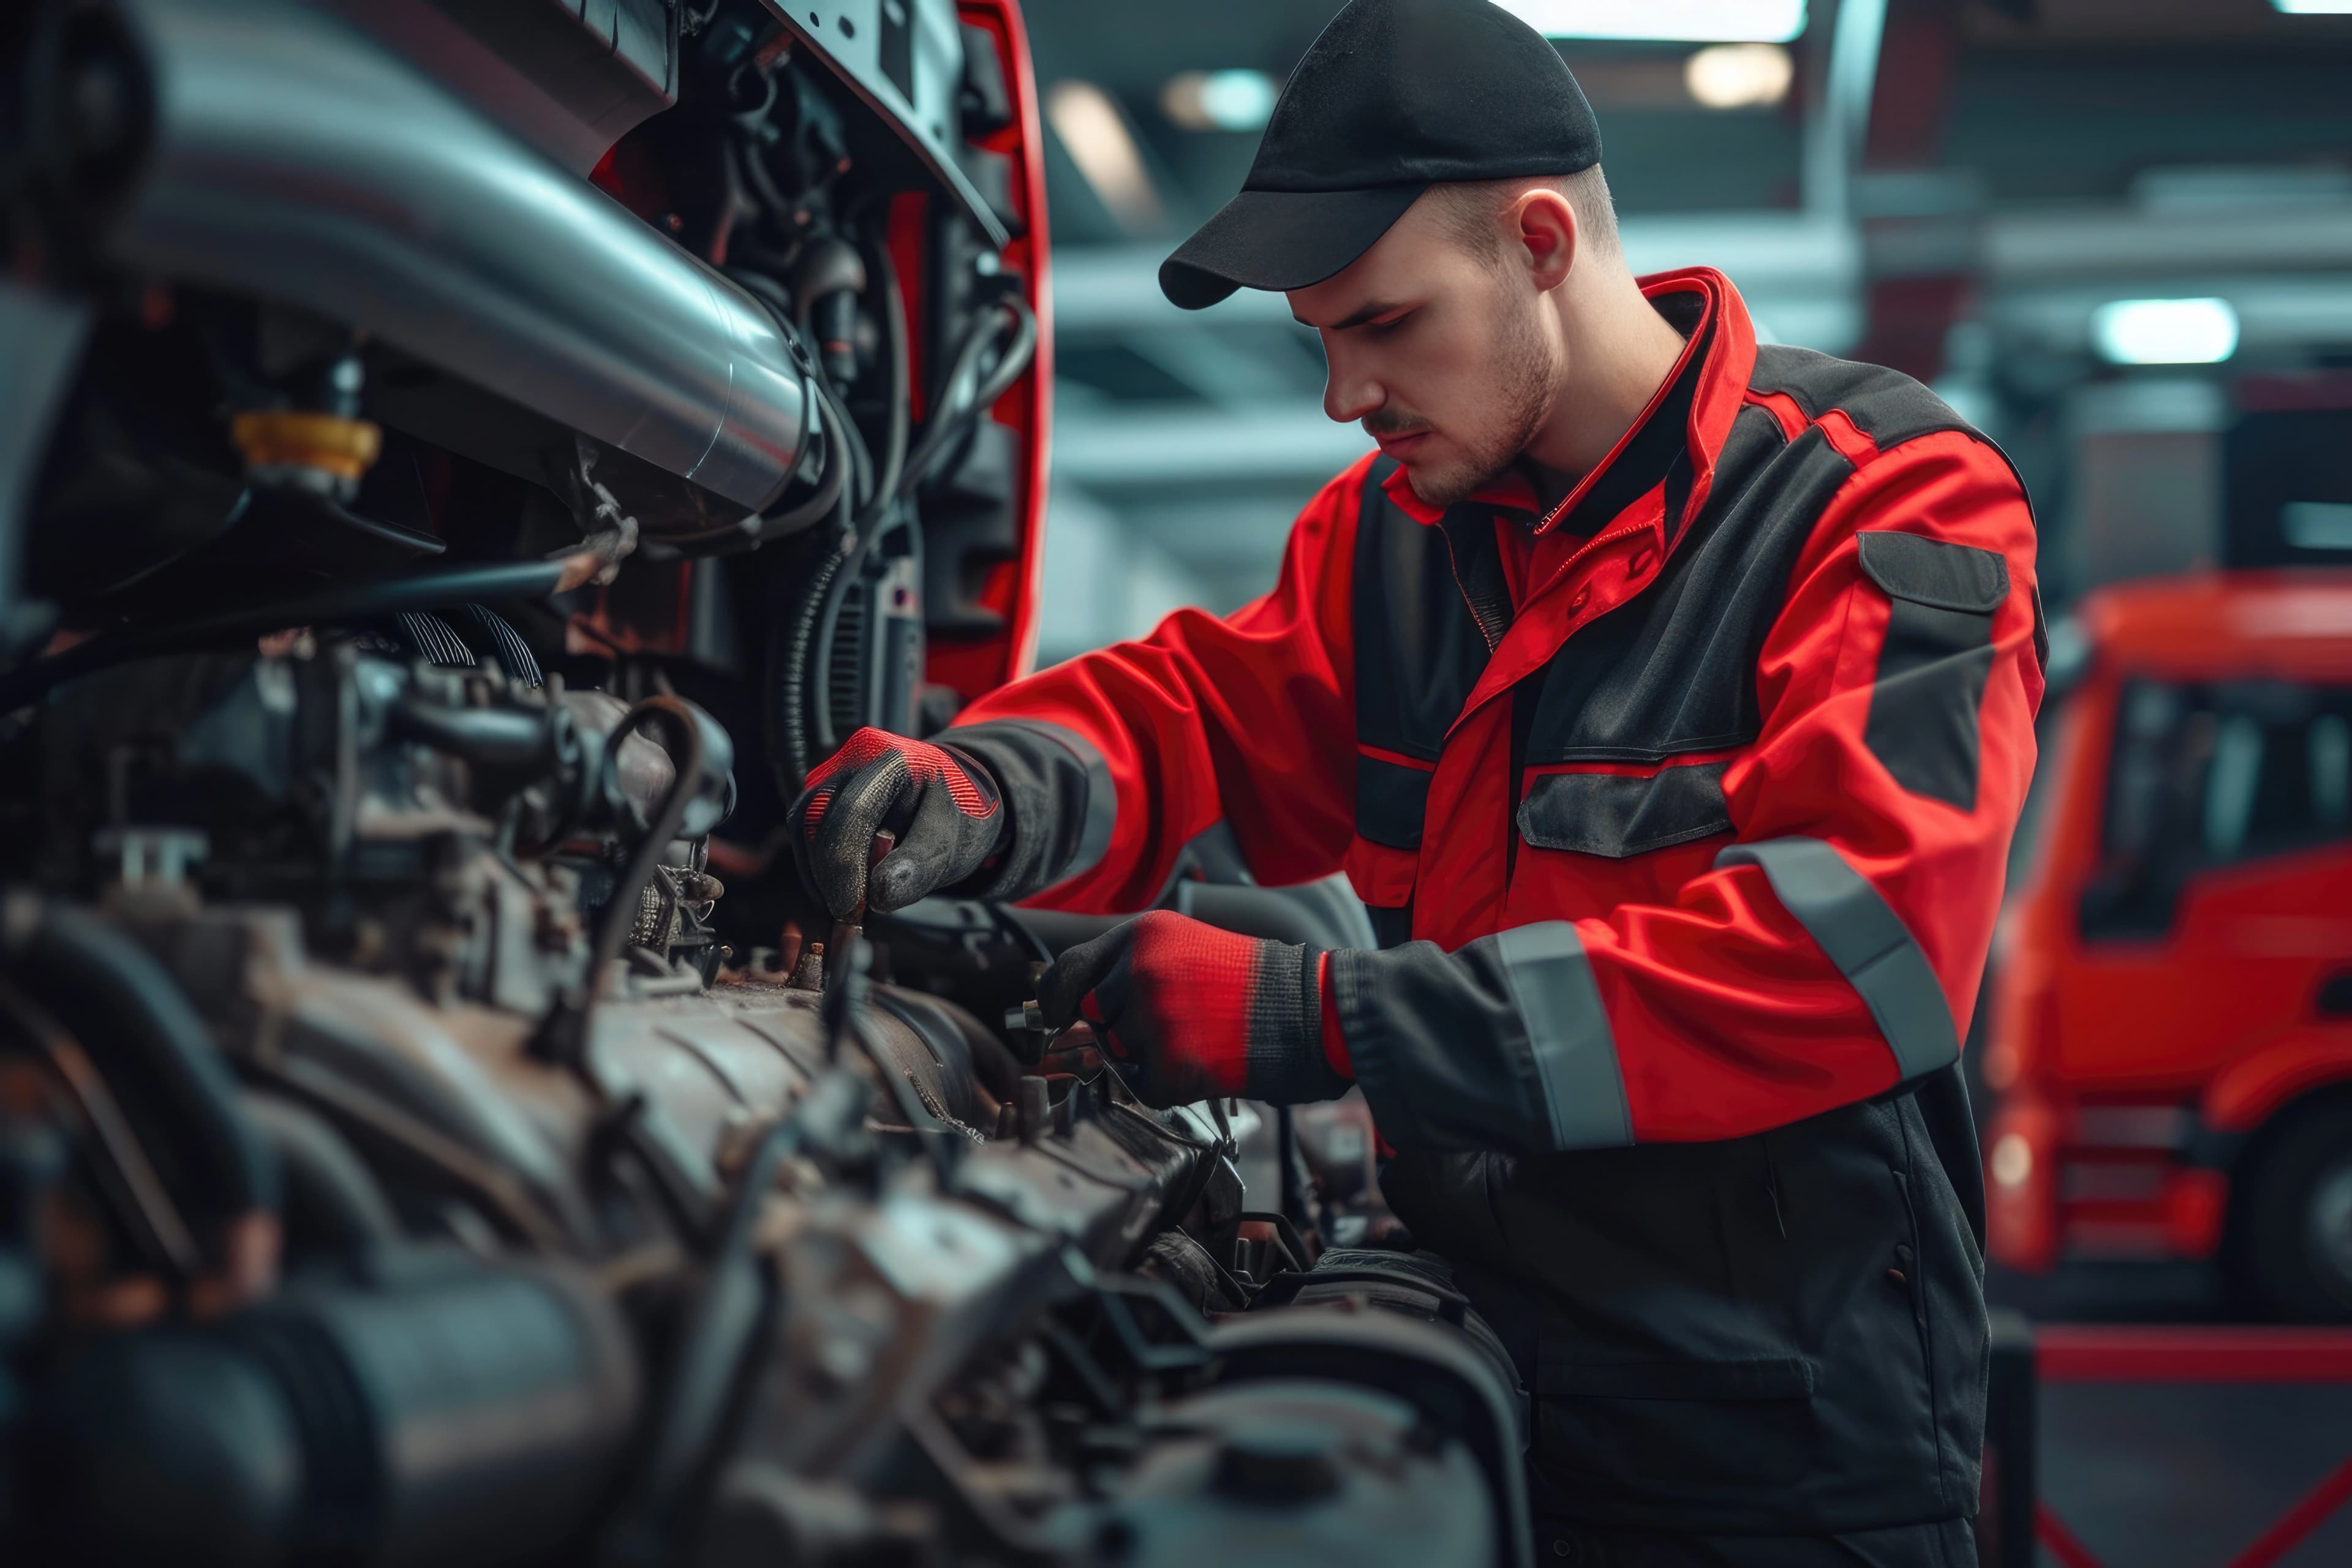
(1528, 382)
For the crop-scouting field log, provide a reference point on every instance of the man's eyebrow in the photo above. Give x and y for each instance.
(1370, 312)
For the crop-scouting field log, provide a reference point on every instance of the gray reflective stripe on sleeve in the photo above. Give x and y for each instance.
(1102, 795)
(1575, 1050)
(1867, 941)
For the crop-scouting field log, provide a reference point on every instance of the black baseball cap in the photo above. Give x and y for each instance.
(1394, 97)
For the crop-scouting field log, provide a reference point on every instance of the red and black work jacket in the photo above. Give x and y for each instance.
(1695, 792)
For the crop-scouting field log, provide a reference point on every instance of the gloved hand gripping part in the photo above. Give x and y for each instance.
(943, 804)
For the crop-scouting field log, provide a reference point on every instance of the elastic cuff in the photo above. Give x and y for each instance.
(1058, 795)
(1282, 1060)
(1360, 998)
(1334, 1039)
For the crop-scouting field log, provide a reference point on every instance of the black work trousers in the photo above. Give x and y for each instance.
(1569, 1543)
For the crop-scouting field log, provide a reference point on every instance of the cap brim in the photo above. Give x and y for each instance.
(1281, 239)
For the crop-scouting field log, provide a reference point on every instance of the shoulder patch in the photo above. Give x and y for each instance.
(1923, 723)
(1934, 572)
(1884, 405)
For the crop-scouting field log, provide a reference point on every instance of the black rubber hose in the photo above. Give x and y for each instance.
(137, 1024)
(896, 357)
(783, 524)
(817, 636)
(562, 1034)
(862, 497)
(326, 1181)
(689, 757)
(825, 642)
(1014, 360)
(964, 393)
(793, 647)
(389, 596)
(787, 699)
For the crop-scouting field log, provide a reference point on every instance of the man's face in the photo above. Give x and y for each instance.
(1438, 350)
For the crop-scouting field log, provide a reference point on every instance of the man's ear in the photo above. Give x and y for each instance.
(1542, 223)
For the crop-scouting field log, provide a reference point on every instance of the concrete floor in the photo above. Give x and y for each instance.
(2182, 1476)
(2189, 1476)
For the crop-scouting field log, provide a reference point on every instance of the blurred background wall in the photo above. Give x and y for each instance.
(2118, 234)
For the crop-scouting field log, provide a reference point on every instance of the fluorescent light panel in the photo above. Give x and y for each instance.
(2164, 332)
(2315, 7)
(1673, 21)
(2317, 524)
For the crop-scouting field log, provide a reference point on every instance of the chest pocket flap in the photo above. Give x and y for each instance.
(1615, 815)
(1926, 701)
(1935, 572)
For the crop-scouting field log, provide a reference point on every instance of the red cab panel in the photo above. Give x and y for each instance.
(2174, 969)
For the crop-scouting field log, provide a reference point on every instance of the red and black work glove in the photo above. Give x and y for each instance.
(1186, 1012)
(945, 809)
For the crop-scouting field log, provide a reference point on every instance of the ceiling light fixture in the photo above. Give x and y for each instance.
(1094, 134)
(1220, 101)
(2315, 7)
(1673, 21)
(1739, 76)
(2164, 332)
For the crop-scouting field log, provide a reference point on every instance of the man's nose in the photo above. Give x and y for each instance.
(1348, 393)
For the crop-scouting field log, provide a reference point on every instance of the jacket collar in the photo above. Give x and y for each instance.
(1703, 394)
(1661, 481)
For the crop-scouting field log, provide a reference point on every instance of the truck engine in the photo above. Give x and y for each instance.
(460, 466)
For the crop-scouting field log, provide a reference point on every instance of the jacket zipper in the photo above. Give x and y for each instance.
(1517, 761)
(1493, 638)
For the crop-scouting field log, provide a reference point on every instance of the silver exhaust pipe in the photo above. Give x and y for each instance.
(290, 158)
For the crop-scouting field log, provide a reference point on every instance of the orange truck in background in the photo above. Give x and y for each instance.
(2170, 1045)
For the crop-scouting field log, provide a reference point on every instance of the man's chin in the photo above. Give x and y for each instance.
(1439, 484)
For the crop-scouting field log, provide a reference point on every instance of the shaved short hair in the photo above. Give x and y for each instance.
(1472, 209)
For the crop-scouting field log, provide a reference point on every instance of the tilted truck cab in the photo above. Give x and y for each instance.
(2170, 1028)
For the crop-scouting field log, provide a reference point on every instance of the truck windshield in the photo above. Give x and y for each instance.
(2208, 776)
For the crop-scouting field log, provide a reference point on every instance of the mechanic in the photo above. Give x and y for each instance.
(1669, 698)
